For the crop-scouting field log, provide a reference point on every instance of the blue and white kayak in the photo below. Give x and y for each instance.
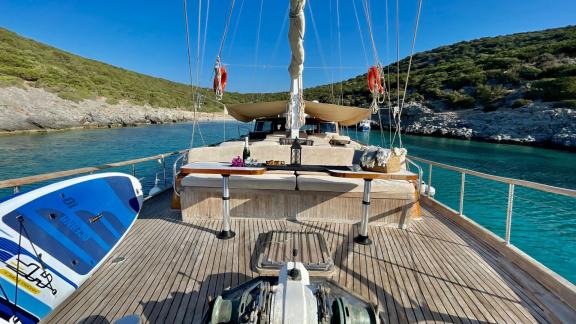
(53, 238)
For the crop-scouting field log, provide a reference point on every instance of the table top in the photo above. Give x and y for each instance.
(342, 172)
(220, 168)
(305, 167)
(400, 175)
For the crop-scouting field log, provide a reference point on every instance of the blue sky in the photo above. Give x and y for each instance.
(148, 36)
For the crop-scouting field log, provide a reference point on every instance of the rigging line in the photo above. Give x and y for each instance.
(235, 28)
(369, 22)
(258, 46)
(360, 33)
(189, 56)
(411, 52)
(317, 38)
(395, 116)
(388, 78)
(225, 33)
(341, 96)
(207, 16)
(316, 67)
(281, 33)
(331, 51)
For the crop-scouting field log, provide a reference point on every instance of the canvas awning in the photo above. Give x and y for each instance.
(344, 115)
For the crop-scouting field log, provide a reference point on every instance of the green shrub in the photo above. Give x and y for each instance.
(529, 72)
(493, 62)
(559, 71)
(487, 94)
(464, 80)
(554, 89)
(112, 101)
(458, 100)
(10, 81)
(518, 103)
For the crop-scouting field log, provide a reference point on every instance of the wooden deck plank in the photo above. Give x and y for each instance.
(432, 272)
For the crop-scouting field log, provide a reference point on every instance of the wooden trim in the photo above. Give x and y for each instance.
(553, 282)
(224, 171)
(61, 174)
(523, 183)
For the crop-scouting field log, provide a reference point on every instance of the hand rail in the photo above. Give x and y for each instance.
(18, 182)
(420, 175)
(510, 181)
(518, 182)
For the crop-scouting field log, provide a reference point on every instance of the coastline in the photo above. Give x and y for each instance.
(33, 110)
(36, 111)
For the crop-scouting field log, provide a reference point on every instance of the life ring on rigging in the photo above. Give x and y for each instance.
(375, 80)
(219, 85)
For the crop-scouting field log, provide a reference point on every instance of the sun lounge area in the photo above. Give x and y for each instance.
(301, 195)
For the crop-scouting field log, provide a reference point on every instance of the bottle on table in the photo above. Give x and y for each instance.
(246, 152)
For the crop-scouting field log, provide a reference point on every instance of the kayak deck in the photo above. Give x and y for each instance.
(165, 271)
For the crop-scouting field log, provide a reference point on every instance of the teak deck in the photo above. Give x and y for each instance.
(165, 271)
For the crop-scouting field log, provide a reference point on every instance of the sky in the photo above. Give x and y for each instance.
(149, 36)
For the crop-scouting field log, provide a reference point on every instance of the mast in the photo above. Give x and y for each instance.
(295, 114)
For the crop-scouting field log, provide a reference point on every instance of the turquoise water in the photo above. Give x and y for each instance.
(543, 225)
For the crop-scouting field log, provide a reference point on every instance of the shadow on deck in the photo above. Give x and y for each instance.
(434, 271)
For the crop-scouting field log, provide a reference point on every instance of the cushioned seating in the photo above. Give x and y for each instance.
(394, 189)
(268, 181)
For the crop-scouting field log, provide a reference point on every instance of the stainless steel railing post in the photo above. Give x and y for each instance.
(429, 180)
(462, 185)
(509, 212)
(133, 169)
(164, 171)
(16, 189)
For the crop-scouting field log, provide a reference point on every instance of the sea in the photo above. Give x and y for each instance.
(543, 224)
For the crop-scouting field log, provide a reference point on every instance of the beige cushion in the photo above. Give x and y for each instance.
(265, 181)
(397, 189)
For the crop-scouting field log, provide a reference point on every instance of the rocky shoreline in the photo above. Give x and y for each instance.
(537, 124)
(36, 110)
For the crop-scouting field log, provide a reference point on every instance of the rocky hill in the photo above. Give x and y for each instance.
(518, 88)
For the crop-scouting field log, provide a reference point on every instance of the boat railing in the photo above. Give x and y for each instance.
(18, 183)
(512, 183)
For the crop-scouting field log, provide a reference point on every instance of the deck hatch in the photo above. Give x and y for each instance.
(275, 248)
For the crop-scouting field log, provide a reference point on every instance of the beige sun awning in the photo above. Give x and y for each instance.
(344, 115)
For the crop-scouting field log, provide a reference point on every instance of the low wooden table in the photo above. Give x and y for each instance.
(225, 170)
(368, 176)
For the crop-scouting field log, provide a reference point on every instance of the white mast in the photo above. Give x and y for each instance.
(295, 114)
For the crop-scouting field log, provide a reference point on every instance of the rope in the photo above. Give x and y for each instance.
(205, 31)
(341, 96)
(415, 33)
(387, 79)
(400, 104)
(360, 33)
(318, 43)
(236, 28)
(225, 33)
(369, 22)
(257, 50)
(195, 97)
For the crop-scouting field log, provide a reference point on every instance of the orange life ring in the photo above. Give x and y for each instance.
(374, 80)
(223, 78)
